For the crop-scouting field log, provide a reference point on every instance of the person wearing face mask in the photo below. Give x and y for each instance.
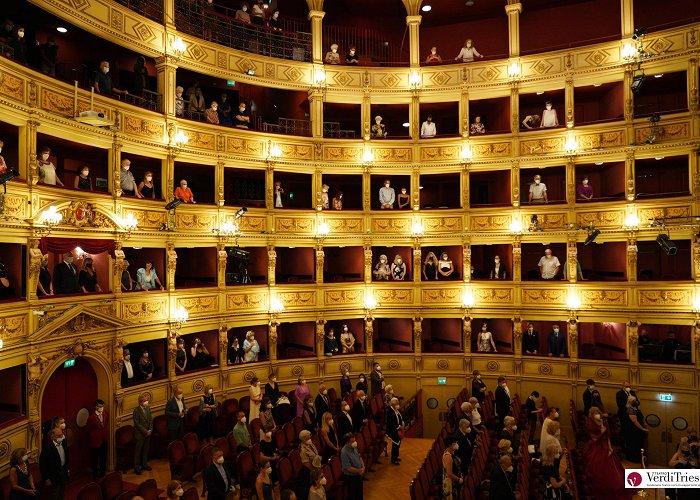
(301, 392)
(499, 270)
(272, 388)
(175, 412)
(211, 114)
(263, 483)
(530, 121)
(44, 285)
(433, 57)
(97, 429)
(478, 387)
(267, 416)
(83, 181)
(126, 282)
(549, 265)
(217, 477)
(378, 130)
(208, 18)
(127, 181)
(588, 395)
(317, 491)
(332, 56)
(601, 461)
(258, 14)
(428, 129)
(475, 415)
(196, 105)
(465, 437)
(207, 415)
(235, 352)
(394, 429)
(127, 369)
(87, 279)
(549, 116)
(508, 432)
(199, 355)
(240, 432)
(635, 431)
(502, 404)
(48, 52)
(65, 276)
(21, 480)
(3, 165)
(387, 195)
(362, 383)
(538, 191)
(47, 170)
(179, 102)
(352, 57)
(468, 52)
(345, 384)
(242, 14)
(147, 278)
(532, 414)
(382, 271)
(556, 342)
(329, 435)
(531, 340)
(255, 394)
(377, 379)
(344, 421)
(477, 128)
(322, 404)
(268, 450)
(398, 267)
(388, 396)
(102, 83)
(452, 479)
(404, 200)
(146, 187)
(484, 340)
(143, 429)
(555, 485)
(310, 459)
(251, 348)
(53, 463)
(184, 193)
(360, 411)
(174, 490)
(309, 417)
(584, 190)
(621, 401)
(19, 45)
(242, 118)
(353, 468)
(224, 111)
(551, 418)
(330, 343)
(146, 366)
(347, 340)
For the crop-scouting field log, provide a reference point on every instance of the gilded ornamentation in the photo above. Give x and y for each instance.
(253, 224)
(198, 386)
(344, 367)
(12, 86)
(603, 373)
(196, 305)
(664, 297)
(35, 369)
(490, 222)
(151, 310)
(82, 323)
(442, 364)
(339, 153)
(13, 206)
(117, 349)
(13, 327)
(297, 151)
(344, 226)
(608, 139)
(441, 295)
(144, 128)
(343, 297)
(200, 140)
(544, 296)
(493, 295)
(467, 330)
(442, 224)
(648, 214)
(609, 218)
(394, 364)
(83, 214)
(393, 154)
(149, 219)
(491, 150)
(493, 366)
(394, 295)
(244, 146)
(443, 153)
(673, 131)
(391, 225)
(4, 449)
(297, 370)
(542, 146)
(237, 301)
(667, 378)
(294, 225)
(298, 299)
(604, 297)
(545, 369)
(197, 222)
(548, 221)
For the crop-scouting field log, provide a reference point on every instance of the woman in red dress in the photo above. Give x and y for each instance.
(604, 466)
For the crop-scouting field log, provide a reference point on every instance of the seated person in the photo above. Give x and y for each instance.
(184, 193)
(242, 118)
(352, 57)
(242, 14)
(531, 121)
(211, 114)
(47, 170)
(147, 278)
(332, 56)
(433, 57)
(477, 127)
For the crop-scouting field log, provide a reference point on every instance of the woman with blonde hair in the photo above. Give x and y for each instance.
(256, 397)
(174, 490)
(551, 437)
(329, 435)
(430, 267)
(251, 348)
(468, 52)
(555, 485)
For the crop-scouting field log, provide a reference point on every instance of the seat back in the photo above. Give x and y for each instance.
(229, 407)
(206, 455)
(244, 464)
(5, 487)
(298, 424)
(90, 491)
(231, 441)
(111, 485)
(192, 418)
(191, 441)
(336, 468)
(148, 490)
(222, 444)
(124, 436)
(290, 433)
(126, 495)
(284, 472)
(255, 451)
(295, 458)
(244, 405)
(280, 439)
(176, 452)
(190, 494)
(255, 427)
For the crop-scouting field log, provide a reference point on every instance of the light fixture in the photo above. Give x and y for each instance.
(406, 124)
(128, 223)
(323, 229)
(465, 154)
(514, 70)
(276, 306)
(637, 83)
(180, 140)
(370, 301)
(417, 228)
(178, 47)
(273, 152)
(660, 75)
(79, 252)
(628, 51)
(593, 233)
(516, 226)
(62, 29)
(179, 318)
(468, 300)
(666, 244)
(320, 76)
(596, 84)
(639, 32)
(250, 72)
(572, 301)
(469, 3)
(571, 145)
(632, 221)
(227, 229)
(599, 163)
(426, 8)
(540, 92)
(696, 303)
(657, 158)
(49, 218)
(414, 79)
(1, 344)
(367, 156)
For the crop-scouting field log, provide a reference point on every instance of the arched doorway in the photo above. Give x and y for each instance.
(67, 391)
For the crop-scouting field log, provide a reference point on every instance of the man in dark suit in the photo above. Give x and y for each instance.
(217, 477)
(128, 374)
(343, 421)
(502, 401)
(531, 340)
(394, 429)
(588, 396)
(360, 411)
(376, 378)
(465, 437)
(65, 276)
(175, 411)
(321, 403)
(98, 431)
(621, 400)
(502, 480)
(53, 462)
(557, 342)
(143, 428)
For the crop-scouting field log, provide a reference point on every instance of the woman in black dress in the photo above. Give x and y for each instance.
(345, 384)
(83, 181)
(87, 279)
(268, 451)
(21, 480)
(272, 389)
(478, 387)
(45, 284)
(147, 188)
(555, 486)
(309, 415)
(362, 384)
(635, 431)
(146, 367)
(207, 415)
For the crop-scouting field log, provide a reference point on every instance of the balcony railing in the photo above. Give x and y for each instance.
(152, 9)
(220, 26)
(291, 126)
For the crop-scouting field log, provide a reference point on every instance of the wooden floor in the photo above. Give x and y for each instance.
(387, 482)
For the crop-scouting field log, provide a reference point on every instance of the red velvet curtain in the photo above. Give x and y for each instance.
(63, 245)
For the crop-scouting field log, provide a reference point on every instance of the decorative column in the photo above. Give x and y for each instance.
(168, 180)
(517, 334)
(696, 258)
(515, 182)
(366, 189)
(114, 166)
(366, 111)
(513, 10)
(413, 23)
(417, 335)
(464, 112)
(467, 334)
(171, 257)
(514, 107)
(27, 164)
(467, 260)
(320, 335)
(569, 100)
(169, 13)
(117, 268)
(415, 187)
(172, 352)
(417, 261)
(628, 97)
(517, 258)
(272, 340)
(632, 260)
(36, 364)
(271, 264)
(166, 74)
(368, 261)
(571, 184)
(414, 116)
(317, 186)
(369, 335)
(693, 97)
(223, 344)
(34, 267)
(629, 175)
(633, 339)
(269, 191)
(694, 160)
(320, 262)
(316, 18)
(219, 183)
(464, 181)
(222, 259)
(571, 259)
(627, 17)
(572, 336)
(316, 111)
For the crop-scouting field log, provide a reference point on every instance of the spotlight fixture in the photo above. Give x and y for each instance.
(8, 175)
(173, 204)
(639, 32)
(592, 235)
(666, 244)
(250, 72)
(660, 75)
(426, 8)
(240, 213)
(637, 83)
(61, 29)
(599, 163)
(540, 92)
(406, 124)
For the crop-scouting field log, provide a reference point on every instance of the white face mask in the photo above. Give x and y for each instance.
(86, 172)
(455, 446)
(105, 70)
(509, 469)
(335, 51)
(20, 34)
(497, 260)
(354, 444)
(597, 416)
(220, 460)
(433, 52)
(323, 481)
(45, 156)
(556, 330)
(362, 379)
(243, 420)
(515, 428)
(149, 178)
(537, 181)
(330, 422)
(325, 392)
(145, 403)
(126, 167)
(556, 415)
(549, 106)
(63, 426)
(25, 458)
(242, 110)
(585, 182)
(179, 493)
(346, 408)
(378, 122)
(469, 44)
(210, 391)
(245, 9)
(179, 396)
(628, 389)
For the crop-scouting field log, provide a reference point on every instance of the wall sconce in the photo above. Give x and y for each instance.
(468, 299)
(128, 223)
(631, 222)
(179, 318)
(516, 225)
(180, 140)
(367, 156)
(320, 77)
(573, 302)
(276, 306)
(370, 303)
(417, 228)
(628, 51)
(273, 152)
(571, 145)
(514, 70)
(696, 304)
(51, 218)
(323, 229)
(465, 154)
(414, 79)
(178, 48)
(227, 231)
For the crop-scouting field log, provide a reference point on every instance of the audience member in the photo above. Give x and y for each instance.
(508, 432)
(345, 384)
(322, 404)
(3, 165)
(468, 52)
(211, 114)
(47, 170)
(127, 369)
(242, 14)
(251, 348)
(242, 118)
(382, 270)
(579, 271)
(530, 121)
(388, 396)
(310, 459)
(478, 387)
(378, 130)
(360, 411)
(19, 46)
(602, 462)
(268, 451)
(635, 431)
(179, 102)
(475, 415)
(549, 116)
(147, 278)
(477, 128)
(362, 384)
(394, 429)
(499, 270)
(267, 417)
(352, 57)
(272, 388)
(344, 419)
(353, 468)
(502, 404)
(65, 276)
(196, 102)
(184, 193)
(538, 191)
(484, 340)
(428, 129)
(387, 195)
(465, 436)
(54, 464)
(309, 417)
(332, 56)
(146, 366)
(127, 283)
(318, 481)
(452, 479)
(199, 355)
(22, 485)
(588, 395)
(301, 392)
(140, 76)
(550, 436)
(430, 267)
(175, 412)
(398, 267)
(83, 181)
(240, 433)
(555, 486)
(217, 477)
(255, 394)
(87, 279)
(146, 187)
(235, 352)
(621, 400)
(127, 180)
(445, 266)
(403, 199)
(102, 83)
(207, 415)
(48, 53)
(143, 428)
(288, 494)
(585, 191)
(257, 15)
(274, 21)
(549, 265)
(263, 482)
(556, 342)
(330, 343)
(377, 379)
(279, 194)
(224, 111)
(329, 435)
(433, 57)
(596, 402)
(531, 340)
(44, 285)
(6, 290)
(208, 18)
(347, 340)
(532, 414)
(98, 430)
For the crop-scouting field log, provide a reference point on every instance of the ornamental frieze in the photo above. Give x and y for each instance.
(604, 297)
(195, 221)
(391, 225)
(83, 214)
(144, 128)
(13, 206)
(441, 295)
(337, 297)
(442, 224)
(296, 151)
(493, 295)
(608, 139)
(200, 140)
(342, 226)
(149, 219)
(151, 310)
(195, 305)
(665, 132)
(393, 154)
(550, 145)
(244, 146)
(490, 222)
(664, 298)
(339, 153)
(544, 296)
(294, 225)
(491, 150)
(297, 299)
(13, 87)
(13, 327)
(548, 221)
(237, 301)
(393, 296)
(611, 218)
(646, 215)
(249, 223)
(443, 153)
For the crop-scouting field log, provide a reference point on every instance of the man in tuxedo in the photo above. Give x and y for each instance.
(360, 411)
(465, 437)
(321, 403)
(376, 378)
(531, 340)
(217, 477)
(502, 402)
(588, 395)
(556, 342)
(621, 400)
(175, 411)
(65, 276)
(97, 429)
(143, 428)
(53, 463)
(502, 480)
(343, 422)
(127, 369)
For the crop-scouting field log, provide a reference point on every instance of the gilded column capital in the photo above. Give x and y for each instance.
(320, 336)
(320, 263)
(171, 256)
(412, 7)
(35, 258)
(572, 258)
(572, 334)
(368, 263)
(517, 333)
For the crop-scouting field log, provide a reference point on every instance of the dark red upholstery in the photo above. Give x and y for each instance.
(111, 485)
(181, 463)
(148, 490)
(90, 491)
(124, 442)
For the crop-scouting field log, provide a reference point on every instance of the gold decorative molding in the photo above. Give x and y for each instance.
(148, 219)
(344, 226)
(604, 139)
(647, 214)
(441, 295)
(490, 222)
(194, 222)
(296, 151)
(252, 223)
(551, 145)
(144, 128)
(297, 299)
(391, 225)
(240, 301)
(294, 225)
(14, 206)
(11, 86)
(607, 218)
(604, 297)
(246, 147)
(337, 297)
(665, 298)
(150, 310)
(341, 153)
(493, 295)
(553, 296)
(491, 150)
(666, 132)
(440, 153)
(200, 140)
(196, 305)
(393, 154)
(549, 220)
(394, 296)
(442, 224)
(13, 327)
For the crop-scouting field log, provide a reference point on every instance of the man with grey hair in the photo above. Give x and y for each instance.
(179, 102)
(127, 181)
(53, 462)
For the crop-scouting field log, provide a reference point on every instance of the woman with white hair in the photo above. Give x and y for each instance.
(332, 56)
(394, 429)
(251, 348)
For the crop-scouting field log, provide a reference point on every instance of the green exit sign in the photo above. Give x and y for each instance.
(665, 397)
(231, 83)
(442, 380)
(69, 364)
